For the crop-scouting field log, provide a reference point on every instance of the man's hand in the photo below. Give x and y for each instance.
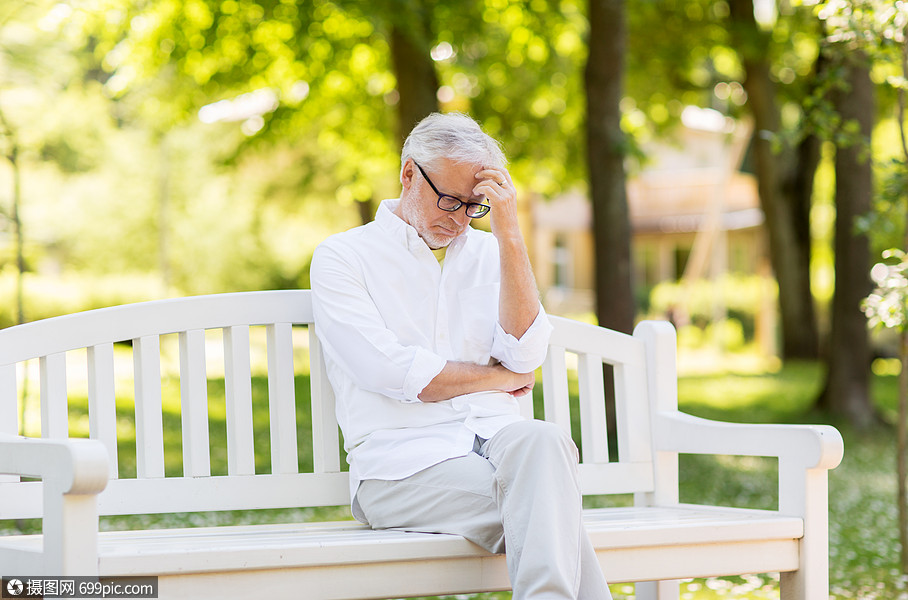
(459, 378)
(498, 189)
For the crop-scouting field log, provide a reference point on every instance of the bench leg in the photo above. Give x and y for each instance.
(805, 584)
(658, 590)
(70, 534)
(807, 496)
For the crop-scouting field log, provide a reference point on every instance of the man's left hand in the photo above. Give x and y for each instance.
(498, 189)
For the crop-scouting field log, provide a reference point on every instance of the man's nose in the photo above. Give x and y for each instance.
(460, 216)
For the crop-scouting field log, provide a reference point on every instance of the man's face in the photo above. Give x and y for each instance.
(419, 203)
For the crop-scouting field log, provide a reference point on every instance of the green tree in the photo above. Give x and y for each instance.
(518, 67)
(784, 176)
(847, 389)
(411, 43)
(887, 306)
(862, 36)
(305, 86)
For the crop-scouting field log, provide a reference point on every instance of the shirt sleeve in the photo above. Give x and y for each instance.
(354, 336)
(527, 353)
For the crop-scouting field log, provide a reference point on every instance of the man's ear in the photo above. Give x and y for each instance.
(407, 174)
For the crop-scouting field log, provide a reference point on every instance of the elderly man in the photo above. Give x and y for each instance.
(431, 329)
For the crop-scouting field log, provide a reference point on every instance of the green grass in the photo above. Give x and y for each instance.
(864, 551)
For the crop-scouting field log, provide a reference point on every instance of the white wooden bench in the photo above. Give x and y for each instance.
(69, 482)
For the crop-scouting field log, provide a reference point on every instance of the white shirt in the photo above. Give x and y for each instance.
(389, 318)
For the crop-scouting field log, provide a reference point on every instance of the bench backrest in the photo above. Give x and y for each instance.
(281, 322)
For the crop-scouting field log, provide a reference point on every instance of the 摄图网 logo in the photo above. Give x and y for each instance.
(14, 587)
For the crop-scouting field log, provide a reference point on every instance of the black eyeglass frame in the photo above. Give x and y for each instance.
(456, 202)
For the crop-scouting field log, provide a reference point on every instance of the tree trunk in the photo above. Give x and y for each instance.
(847, 390)
(417, 82)
(605, 155)
(785, 203)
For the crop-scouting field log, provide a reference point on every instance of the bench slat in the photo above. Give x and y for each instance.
(188, 494)
(282, 399)
(325, 436)
(615, 478)
(9, 414)
(238, 383)
(146, 354)
(632, 412)
(102, 405)
(22, 500)
(194, 404)
(9, 417)
(54, 411)
(593, 428)
(158, 317)
(555, 389)
(613, 346)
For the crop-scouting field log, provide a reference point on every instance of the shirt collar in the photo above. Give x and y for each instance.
(403, 232)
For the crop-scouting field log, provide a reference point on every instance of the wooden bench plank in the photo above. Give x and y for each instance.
(325, 434)
(194, 404)
(146, 352)
(615, 478)
(238, 384)
(469, 574)
(593, 427)
(282, 399)
(634, 436)
(160, 317)
(9, 413)
(54, 410)
(189, 494)
(555, 389)
(102, 405)
(193, 494)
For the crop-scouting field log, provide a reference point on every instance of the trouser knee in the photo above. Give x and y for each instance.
(536, 441)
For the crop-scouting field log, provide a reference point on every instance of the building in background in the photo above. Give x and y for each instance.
(695, 216)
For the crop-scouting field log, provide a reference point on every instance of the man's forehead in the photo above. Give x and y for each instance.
(456, 178)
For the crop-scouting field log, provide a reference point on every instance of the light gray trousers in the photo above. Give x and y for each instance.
(518, 491)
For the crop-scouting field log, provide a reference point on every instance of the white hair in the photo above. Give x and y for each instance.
(453, 136)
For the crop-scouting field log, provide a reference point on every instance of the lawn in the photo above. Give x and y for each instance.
(863, 519)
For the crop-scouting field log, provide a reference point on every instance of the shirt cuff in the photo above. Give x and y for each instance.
(423, 369)
(527, 353)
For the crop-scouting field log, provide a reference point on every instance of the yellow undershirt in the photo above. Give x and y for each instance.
(440, 255)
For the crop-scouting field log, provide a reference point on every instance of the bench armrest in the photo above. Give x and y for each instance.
(70, 466)
(73, 472)
(810, 446)
(805, 452)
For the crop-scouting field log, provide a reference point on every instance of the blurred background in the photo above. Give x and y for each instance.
(735, 166)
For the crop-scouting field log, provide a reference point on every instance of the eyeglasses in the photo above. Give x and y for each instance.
(448, 203)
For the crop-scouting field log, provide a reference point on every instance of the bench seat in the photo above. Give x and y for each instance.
(704, 540)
